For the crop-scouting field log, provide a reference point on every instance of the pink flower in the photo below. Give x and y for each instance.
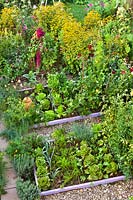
(33, 17)
(90, 4)
(86, 8)
(40, 33)
(38, 59)
(123, 72)
(102, 4)
(25, 28)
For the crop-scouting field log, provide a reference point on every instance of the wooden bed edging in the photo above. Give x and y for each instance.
(68, 120)
(83, 185)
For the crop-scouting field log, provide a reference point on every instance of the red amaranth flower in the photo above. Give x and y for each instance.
(38, 59)
(40, 33)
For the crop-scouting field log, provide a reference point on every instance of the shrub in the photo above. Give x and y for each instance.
(82, 132)
(8, 18)
(24, 166)
(93, 19)
(13, 59)
(118, 125)
(27, 190)
(25, 144)
(51, 18)
(16, 117)
(74, 41)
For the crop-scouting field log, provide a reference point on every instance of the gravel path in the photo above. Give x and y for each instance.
(118, 191)
(47, 130)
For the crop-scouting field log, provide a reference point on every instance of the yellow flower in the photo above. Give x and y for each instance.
(131, 93)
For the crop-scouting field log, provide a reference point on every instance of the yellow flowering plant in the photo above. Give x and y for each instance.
(92, 19)
(8, 18)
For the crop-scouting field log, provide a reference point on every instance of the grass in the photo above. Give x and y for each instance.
(78, 11)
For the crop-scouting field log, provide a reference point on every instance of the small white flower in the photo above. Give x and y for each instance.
(42, 2)
(34, 6)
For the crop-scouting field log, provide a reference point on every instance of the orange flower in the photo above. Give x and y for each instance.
(27, 103)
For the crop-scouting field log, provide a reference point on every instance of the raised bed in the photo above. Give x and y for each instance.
(80, 186)
(67, 120)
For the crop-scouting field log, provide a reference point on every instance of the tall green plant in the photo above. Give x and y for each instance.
(24, 165)
(2, 175)
(118, 125)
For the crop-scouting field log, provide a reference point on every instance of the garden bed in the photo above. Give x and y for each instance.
(51, 80)
(69, 120)
(80, 150)
(81, 186)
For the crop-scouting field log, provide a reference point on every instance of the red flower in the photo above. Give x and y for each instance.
(40, 33)
(79, 55)
(131, 69)
(90, 47)
(123, 72)
(113, 71)
(91, 54)
(38, 59)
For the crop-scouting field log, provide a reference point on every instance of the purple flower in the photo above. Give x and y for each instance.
(102, 4)
(90, 4)
(86, 8)
(25, 28)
